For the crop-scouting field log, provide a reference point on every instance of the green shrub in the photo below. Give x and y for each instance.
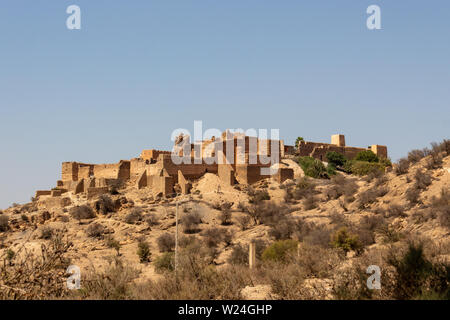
(144, 251)
(336, 158)
(313, 168)
(297, 141)
(279, 251)
(367, 155)
(362, 168)
(165, 262)
(418, 278)
(346, 241)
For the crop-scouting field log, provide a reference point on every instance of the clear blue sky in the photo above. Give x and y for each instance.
(139, 69)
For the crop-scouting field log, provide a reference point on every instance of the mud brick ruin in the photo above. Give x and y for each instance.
(319, 150)
(234, 157)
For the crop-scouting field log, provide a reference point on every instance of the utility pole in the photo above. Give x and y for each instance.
(176, 240)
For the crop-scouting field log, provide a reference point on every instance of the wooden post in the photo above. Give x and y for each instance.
(252, 255)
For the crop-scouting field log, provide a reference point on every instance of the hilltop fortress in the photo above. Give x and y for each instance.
(234, 157)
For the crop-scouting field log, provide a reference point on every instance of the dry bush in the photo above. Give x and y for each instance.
(266, 212)
(310, 202)
(212, 237)
(422, 180)
(303, 188)
(32, 277)
(317, 261)
(113, 244)
(341, 187)
(115, 283)
(152, 219)
(440, 206)
(401, 167)
(416, 155)
(434, 161)
(283, 228)
(196, 279)
(95, 230)
(395, 210)
(240, 253)
(255, 197)
(372, 222)
(244, 222)
(191, 221)
(46, 233)
(367, 197)
(319, 236)
(104, 205)
(4, 223)
(412, 195)
(143, 251)
(134, 216)
(82, 212)
(285, 280)
(166, 242)
(346, 241)
(225, 214)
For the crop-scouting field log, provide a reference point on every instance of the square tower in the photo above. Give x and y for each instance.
(338, 140)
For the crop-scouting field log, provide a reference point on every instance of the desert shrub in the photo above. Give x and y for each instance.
(24, 218)
(214, 236)
(341, 186)
(240, 253)
(416, 155)
(82, 212)
(113, 244)
(152, 219)
(112, 284)
(165, 262)
(256, 197)
(440, 206)
(367, 197)
(390, 234)
(225, 214)
(313, 168)
(362, 168)
(104, 205)
(310, 202)
(412, 195)
(434, 161)
(423, 180)
(143, 251)
(395, 210)
(367, 155)
(335, 158)
(166, 242)
(318, 236)
(316, 261)
(4, 223)
(95, 230)
(267, 213)
(191, 221)
(46, 233)
(331, 170)
(346, 241)
(304, 187)
(244, 222)
(280, 251)
(134, 216)
(416, 277)
(36, 275)
(402, 167)
(283, 229)
(372, 222)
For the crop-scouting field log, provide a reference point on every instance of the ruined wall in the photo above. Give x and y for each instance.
(152, 154)
(69, 171)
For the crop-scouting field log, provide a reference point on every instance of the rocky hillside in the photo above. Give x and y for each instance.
(315, 239)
